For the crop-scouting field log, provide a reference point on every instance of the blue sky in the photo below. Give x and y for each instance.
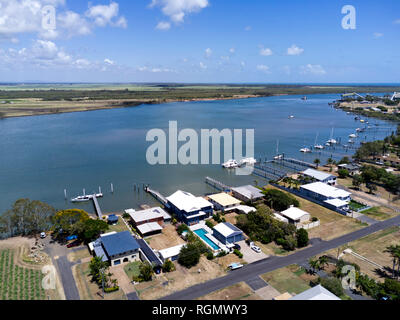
(260, 41)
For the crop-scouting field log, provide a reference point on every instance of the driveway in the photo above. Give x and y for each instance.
(250, 255)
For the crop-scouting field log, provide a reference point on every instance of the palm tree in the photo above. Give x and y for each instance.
(317, 162)
(323, 260)
(394, 252)
(314, 264)
(330, 161)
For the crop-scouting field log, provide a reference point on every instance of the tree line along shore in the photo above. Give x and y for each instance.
(31, 100)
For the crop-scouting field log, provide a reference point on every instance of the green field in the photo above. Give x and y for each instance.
(17, 283)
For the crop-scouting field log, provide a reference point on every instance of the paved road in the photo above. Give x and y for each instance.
(67, 278)
(258, 268)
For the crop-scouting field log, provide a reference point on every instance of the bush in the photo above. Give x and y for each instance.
(279, 200)
(146, 272)
(189, 255)
(217, 217)
(210, 255)
(209, 224)
(314, 219)
(343, 173)
(222, 254)
(333, 285)
(110, 290)
(182, 228)
(126, 216)
(168, 266)
(302, 238)
(290, 243)
(238, 253)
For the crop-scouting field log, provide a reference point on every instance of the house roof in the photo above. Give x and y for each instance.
(319, 175)
(99, 251)
(249, 192)
(336, 203)
(326, 190)
(316, 293)
(171, 252)
(149, 214)
(224, 199)
(119, 243)
(280, 218)
(149, 227)
(246, 209)
(149, 253)
(187, 202)
(227, 229)
(349, 166)
(294, 213)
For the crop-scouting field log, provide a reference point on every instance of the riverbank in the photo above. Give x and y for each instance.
(33, 100)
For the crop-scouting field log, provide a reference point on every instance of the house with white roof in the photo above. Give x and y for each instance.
(170, 253)
(336, 204)
(322, 192)
(149, 221)
(247, 193)
(189, 208)
(224, 202)
(227, 233)
(321, 176)
(315, 293)
(295, 215)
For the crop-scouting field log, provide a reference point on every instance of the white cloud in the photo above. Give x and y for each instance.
(232, 50)
(108, 61)
(25, 16)
(155, 69)
(202, 65)
(208, 53)
(377, 35)
(163, 25)
(396, 21)
(313, 69)
(176, 10)
(294, 50)
(266, 52)
(242, 64)
(263, 68)
(104, 15)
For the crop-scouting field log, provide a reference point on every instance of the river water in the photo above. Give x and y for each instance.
(41, 156)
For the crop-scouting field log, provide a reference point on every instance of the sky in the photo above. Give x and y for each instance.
(200, 41)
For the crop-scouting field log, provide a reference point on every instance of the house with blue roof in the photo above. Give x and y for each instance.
(227, 233)
(117, 248)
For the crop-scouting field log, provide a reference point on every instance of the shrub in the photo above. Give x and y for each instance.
(343, 173)
(168, 266)
(238, 253)
(279, 200)
(110, 290)
(189, 255)
(209, 224)
(222, 254)
(314, 219)
(210, 255)
(302, 238)
(334, 285)
(181, 228)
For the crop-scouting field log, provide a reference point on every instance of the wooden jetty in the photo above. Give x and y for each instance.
(157, 195)
(218, 185)
(97, 207)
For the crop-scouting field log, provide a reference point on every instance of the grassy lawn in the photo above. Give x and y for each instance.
(132, 269)
(379, 213)
(355, 206)
(372, 247)
(79, 255)
(240, 291)
(119, 227)
(285, 280)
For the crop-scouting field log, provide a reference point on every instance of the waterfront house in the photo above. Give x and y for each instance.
(189, 208)
(352, 168)
(322, 192)
(117, 248)
(337, 204)
(295, 215)
(224, 202)
(227, 233)
(150, 221)
(247, 193)
(320, 176)
(170, 253)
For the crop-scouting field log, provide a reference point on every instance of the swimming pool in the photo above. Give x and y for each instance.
(202, 234)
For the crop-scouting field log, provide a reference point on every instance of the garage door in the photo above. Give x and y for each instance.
(117, 262)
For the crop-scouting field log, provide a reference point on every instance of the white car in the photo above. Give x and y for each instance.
(256, 249)
(43, 235)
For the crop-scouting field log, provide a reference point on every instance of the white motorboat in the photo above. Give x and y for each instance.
(278, 157)
(81, 199)
(319, 147)
(291, 117)
(351, 141)
(230, 164)
(248, 161)
(305, 150)
(353, 136)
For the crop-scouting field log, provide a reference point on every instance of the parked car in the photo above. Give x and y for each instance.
(237, 247)
(43, 235)
(235, 266)
(74, 244)
(255, 248)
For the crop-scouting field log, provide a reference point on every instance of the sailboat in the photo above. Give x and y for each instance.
(331, 141)
(318, 146)
(278, 156)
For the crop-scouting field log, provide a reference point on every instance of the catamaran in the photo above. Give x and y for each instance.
(331, 141)
(318, 146)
